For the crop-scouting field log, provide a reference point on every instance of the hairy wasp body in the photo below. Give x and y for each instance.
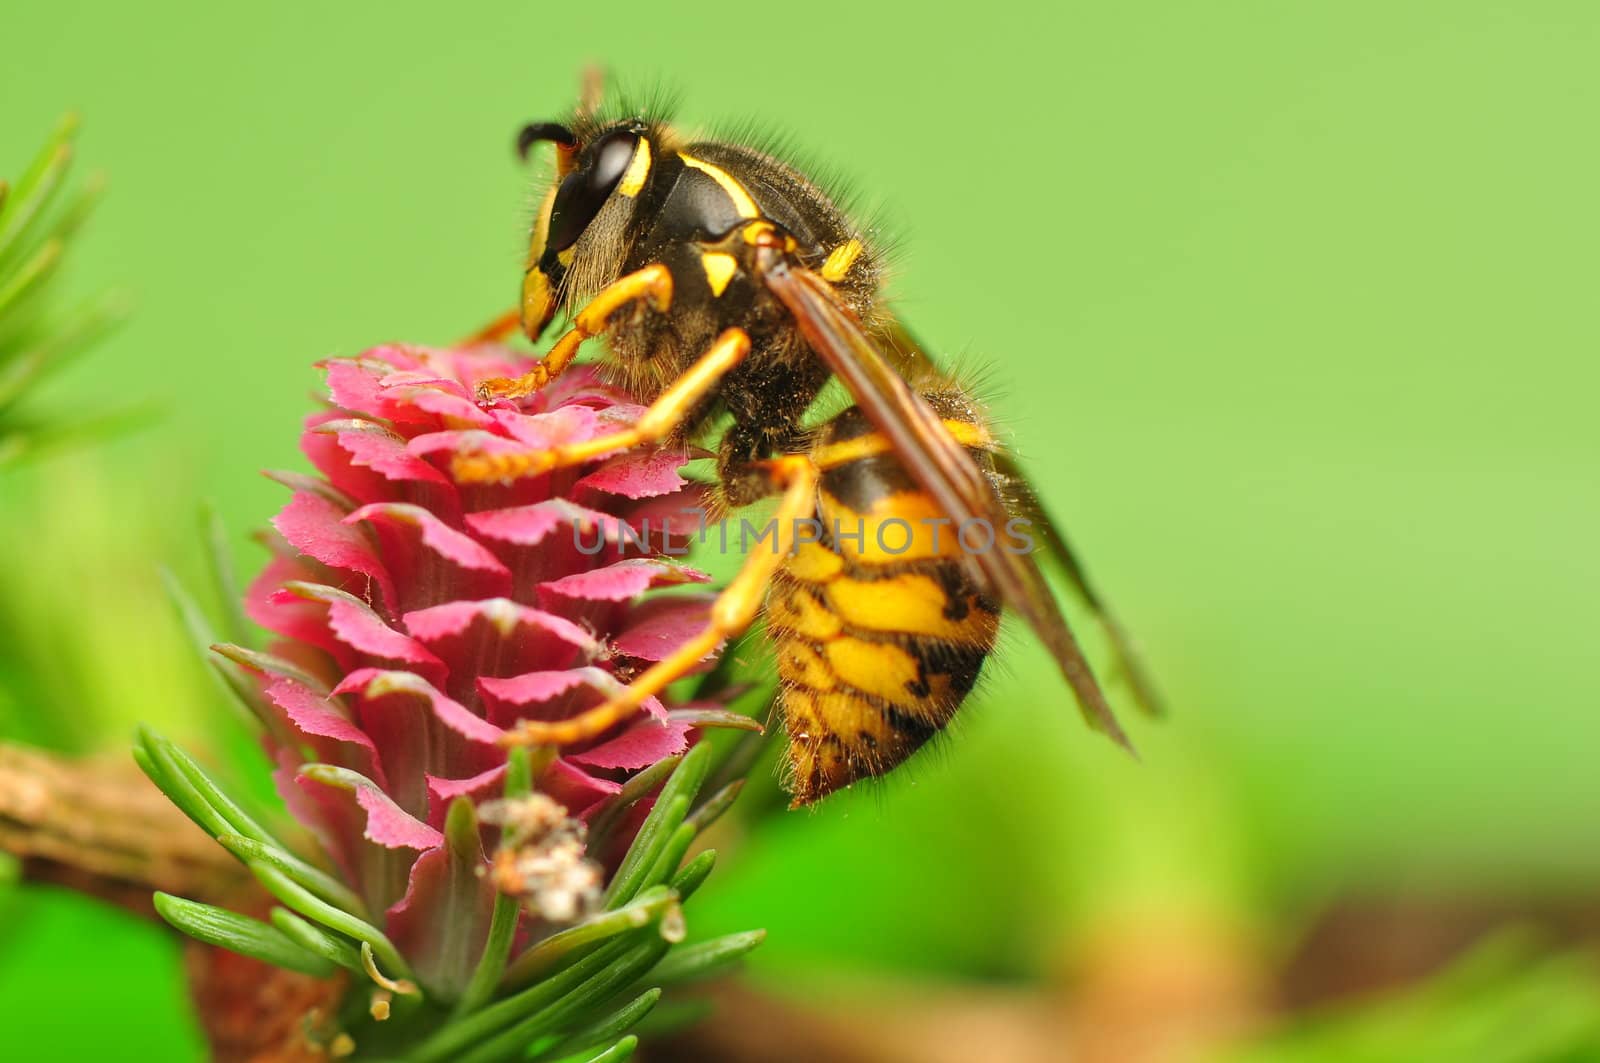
(731, 289)
(879, 627)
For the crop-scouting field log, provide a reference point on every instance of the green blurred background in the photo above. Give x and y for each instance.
(1289, 308)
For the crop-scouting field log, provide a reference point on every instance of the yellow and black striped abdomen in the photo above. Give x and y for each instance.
(879, 630)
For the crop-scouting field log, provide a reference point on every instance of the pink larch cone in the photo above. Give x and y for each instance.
(418, 619)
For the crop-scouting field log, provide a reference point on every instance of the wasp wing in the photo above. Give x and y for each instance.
(940, 465)
(1058, 551)
(908, 356)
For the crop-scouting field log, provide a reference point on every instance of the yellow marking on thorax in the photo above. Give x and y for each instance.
(833, 455)
(638, 170)
(720, 268)
(763, 231)
(741, 199)
(839, 261)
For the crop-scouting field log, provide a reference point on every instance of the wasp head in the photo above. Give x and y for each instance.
(578, 237)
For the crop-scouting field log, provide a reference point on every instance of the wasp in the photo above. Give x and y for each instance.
(730, 289)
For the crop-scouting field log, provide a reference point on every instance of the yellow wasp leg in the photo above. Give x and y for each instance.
(653, 283)
(731, 614)
(658, 422)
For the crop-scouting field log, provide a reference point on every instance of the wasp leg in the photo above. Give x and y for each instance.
(659, 421)
(796, 477)
(652, 283)
(497, 331)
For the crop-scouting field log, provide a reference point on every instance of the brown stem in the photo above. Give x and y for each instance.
(98, 826)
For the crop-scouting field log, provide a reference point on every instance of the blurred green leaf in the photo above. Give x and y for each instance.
(33, 191)
(35, 235)
(224, 576)
(1506, 1001)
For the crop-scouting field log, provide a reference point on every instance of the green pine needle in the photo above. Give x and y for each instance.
(219, 560)
(673, 1016)
(654, 836)
(548, 954)
(32, 361)
(618, 1052)
(454, 1038)
(181, 777)
(318, 882)
(304, 902)
(314, 939)
(668, 812)
(178, 791)
(503, 920)
(670, 855)
(598, 987)
(708, 958)
(693, 874)
(37, 186)
(235, 683)
(256, 661)
(37, 233)
(633, 791)
(714, 806)
(579, 990)
(603, 1031)
(237, 933)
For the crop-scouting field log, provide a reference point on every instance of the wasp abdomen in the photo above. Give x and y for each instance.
(880, 632)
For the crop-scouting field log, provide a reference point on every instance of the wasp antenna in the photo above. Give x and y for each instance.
(534, 132)
(591, 90)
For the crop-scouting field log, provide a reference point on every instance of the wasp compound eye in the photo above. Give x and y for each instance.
(534, 132)
(585, 191)
(610, 156)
